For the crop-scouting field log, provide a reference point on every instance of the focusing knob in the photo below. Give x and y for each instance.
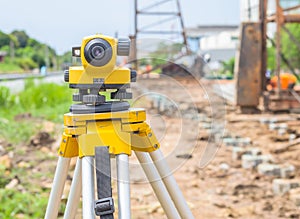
(123, 48)
(66, 76)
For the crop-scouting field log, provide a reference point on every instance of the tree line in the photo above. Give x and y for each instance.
(26, 53)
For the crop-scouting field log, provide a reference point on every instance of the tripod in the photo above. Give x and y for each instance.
(97, 130)
(92, 135)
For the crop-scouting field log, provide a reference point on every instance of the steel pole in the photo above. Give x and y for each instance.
(59, 180)
(157, 185)
(123, 186)
(171, 184)
(88, 188)
(75, 192)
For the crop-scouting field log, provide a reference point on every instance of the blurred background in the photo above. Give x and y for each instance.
(219, 80)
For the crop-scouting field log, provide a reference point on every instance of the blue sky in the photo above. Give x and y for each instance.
(63, 23)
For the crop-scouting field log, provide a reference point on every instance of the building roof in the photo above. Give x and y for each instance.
(207, 30)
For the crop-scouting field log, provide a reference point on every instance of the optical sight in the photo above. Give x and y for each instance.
(98, 72)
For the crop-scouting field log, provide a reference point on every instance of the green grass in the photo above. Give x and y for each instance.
(9, 67)
(44, 100)
(16, 204)
(17, 132)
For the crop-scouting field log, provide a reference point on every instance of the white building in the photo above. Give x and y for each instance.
(222, 46)
(218, 41)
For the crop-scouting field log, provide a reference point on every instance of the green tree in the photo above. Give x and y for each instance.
(4, 39)
(33, 43)
(271, 58)
(289, 48)
(228, 66)
(39, 59)
(22, 37)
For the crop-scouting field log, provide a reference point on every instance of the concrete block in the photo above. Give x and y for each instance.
(228, 141)
(294, 196)
(254, 151)
(287, 171)
(292, 137)
(237, 142)
(282, 186)
(252, 161)
(244, 141)
(269, 169)
(267, 120)
(277, 126)
(282, 171)
(238, 152)
(281, 131)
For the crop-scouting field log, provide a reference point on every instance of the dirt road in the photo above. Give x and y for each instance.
(214, 184)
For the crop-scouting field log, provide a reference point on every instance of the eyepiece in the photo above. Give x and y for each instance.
(98, 52)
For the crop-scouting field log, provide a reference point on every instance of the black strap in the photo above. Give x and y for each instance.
(104, 207)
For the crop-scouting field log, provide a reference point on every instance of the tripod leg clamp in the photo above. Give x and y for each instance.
(104, 206)
(68, 146)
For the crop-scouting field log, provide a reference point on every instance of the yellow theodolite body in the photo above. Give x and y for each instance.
(121, 131)
(108, 74)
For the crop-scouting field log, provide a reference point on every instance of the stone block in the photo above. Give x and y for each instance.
(294, 196)
(278, 126)
(282, 186)
(287, 171)
(237, 142)
(238, 152)
(252, 161)
(269, 169)
(282, 171)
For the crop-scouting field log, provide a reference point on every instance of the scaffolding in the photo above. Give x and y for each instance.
(161, 18)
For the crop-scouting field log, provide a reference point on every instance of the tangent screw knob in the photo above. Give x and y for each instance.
(123, 48)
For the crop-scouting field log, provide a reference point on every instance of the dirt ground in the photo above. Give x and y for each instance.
(215, 185)
(191, 122)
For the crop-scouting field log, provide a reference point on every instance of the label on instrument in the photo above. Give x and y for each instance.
(98, 80)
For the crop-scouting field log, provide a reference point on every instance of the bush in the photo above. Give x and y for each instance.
(43, 95)
(27, 64)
